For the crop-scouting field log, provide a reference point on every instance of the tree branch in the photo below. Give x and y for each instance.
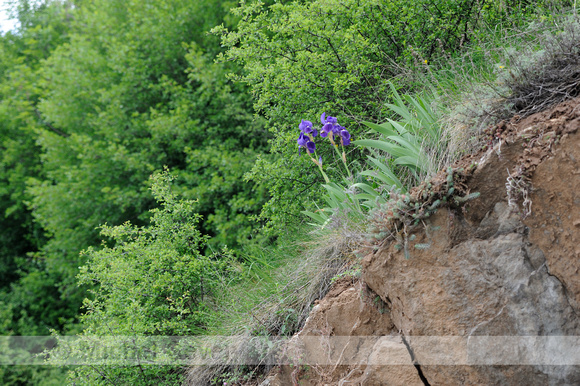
(49, 126)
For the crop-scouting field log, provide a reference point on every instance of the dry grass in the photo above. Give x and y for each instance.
(284, 307)
(554, 78)
(540, 70)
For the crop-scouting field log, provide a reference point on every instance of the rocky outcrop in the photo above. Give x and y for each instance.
(495, 297)
(344, 340)
(498, 286)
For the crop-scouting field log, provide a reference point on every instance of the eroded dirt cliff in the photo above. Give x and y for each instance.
(504, 267)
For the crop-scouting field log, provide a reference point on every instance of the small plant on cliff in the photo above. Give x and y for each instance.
(397, 218)
(416, 143)
(407, 150)
(337, 196)
(518, 188)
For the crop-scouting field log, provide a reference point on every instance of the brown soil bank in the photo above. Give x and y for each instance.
(494, 299)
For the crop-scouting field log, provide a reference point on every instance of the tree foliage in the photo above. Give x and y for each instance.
(30, 291)
(97, 96)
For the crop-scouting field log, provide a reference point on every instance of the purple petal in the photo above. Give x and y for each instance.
(323, 118)
(311, 146)
(302, 140)
(320, 160)
(345, 137)
(305, 126)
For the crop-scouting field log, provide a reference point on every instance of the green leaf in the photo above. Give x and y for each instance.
(385, 129)
(389, 147)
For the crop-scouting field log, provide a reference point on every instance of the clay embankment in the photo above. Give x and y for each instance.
(489, 274)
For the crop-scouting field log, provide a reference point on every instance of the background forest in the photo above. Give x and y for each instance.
(150, 179)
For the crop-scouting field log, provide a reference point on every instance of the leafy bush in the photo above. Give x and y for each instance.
(335, 55)
(153, 281)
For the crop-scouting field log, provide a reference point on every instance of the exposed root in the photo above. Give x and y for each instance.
(518, 189)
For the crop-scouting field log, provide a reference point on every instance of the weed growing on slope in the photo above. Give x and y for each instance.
(283, 281)
(397, 218)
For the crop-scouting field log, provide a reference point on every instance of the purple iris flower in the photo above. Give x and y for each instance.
(302, 141)
(324, 119)
(327, 128)
(336, 129)
(306, 128)
(329, 124)
(345, 137)
(305, 141)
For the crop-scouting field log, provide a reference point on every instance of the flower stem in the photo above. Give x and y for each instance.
(343, 158)
(320, 167)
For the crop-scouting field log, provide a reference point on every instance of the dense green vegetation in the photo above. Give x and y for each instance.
(99, 97)
(115, 93)
(302, 58)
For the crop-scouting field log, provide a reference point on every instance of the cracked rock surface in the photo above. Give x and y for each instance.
(490, 273)
(347, 338)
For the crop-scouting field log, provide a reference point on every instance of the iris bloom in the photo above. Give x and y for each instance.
(302, 140)
(305, 141)
(324, 119)
(306, 128)
(329, 126)
(345, 137)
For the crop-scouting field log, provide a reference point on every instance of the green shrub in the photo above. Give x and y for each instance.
(336, 55)
(153, 281)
